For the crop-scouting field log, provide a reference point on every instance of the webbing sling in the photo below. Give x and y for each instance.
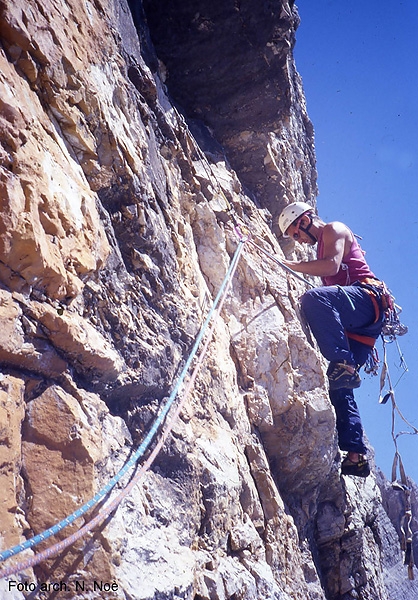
(406, 541)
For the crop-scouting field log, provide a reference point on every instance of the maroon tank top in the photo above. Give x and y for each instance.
(353, 268)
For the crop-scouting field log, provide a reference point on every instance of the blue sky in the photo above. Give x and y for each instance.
(357, 60)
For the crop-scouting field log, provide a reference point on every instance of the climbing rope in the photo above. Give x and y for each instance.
(393, 328)
(104, 512)
(108, 509)
(207, 166)
(280, 263)
(399, 478)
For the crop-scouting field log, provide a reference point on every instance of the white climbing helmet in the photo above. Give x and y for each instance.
(290, 213)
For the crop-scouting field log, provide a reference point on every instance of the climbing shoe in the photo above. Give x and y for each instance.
(358, 469)
(343, 375)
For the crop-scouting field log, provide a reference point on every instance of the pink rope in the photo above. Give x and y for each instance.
(113, 504)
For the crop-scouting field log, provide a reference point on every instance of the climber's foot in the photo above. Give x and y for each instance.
(358, 467)
(343, 375)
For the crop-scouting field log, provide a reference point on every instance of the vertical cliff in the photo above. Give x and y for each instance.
(133, 139)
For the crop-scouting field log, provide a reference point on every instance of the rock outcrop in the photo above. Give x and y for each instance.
(133, 139)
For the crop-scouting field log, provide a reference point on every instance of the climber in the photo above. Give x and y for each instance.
(345, 316)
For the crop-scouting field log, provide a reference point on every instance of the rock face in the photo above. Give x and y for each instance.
(133, 139)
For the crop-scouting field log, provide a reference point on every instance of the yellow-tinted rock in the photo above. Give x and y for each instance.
(12, 413)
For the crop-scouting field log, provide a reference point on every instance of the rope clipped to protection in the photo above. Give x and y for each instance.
(280, 263)
(391, 329)
(106, 510)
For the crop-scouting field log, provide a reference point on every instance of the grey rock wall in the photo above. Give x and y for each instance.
(120, 162)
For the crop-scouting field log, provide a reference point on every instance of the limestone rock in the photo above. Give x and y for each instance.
(12, 413)
(76, 338)
(248, 94)
(133, 140)
(21, 349)
(50, 234)
(73, 438)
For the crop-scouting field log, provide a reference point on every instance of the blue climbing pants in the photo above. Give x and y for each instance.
(348, 421)
(331, 311)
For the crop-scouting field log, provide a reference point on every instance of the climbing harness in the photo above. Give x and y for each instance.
(165, 421)
(382, 299)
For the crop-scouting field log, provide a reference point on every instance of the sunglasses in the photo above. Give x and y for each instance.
(296, 235)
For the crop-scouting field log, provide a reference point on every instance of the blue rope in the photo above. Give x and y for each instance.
(144, 445)
(341, 288)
